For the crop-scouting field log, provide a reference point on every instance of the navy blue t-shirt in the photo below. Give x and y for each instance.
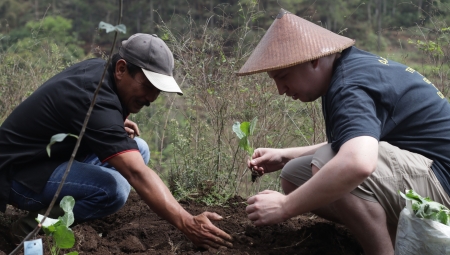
(372, 96)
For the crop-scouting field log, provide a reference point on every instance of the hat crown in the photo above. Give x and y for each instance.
(291, 40)
(148, 52)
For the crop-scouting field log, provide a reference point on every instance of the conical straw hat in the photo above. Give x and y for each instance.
(291, 40)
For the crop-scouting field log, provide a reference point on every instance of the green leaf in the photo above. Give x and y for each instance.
(237, 130)
(245, 127)
(110, 28)
(64, 237)
(72, 253)
(67, 204)
(244, 144)
(57, 138)
(253, 125)
(426, 208)
(48, 221)
(443, 217)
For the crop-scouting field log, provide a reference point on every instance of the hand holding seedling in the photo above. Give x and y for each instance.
(267, 208)
(204, 234)
(266, 160)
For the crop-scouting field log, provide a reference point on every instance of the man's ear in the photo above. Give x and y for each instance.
(121, 69)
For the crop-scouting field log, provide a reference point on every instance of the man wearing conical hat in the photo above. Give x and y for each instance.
(387, 128)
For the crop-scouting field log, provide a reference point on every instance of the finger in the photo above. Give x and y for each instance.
(266, 192)
(256, 153)
(215, 230)
(135, 127)
(260, 171)
(203, 246)
(129, 130)
(222, 235)
(216, 242)
(132, 125)
(210, 244)
(138, 133)
(249, 165)
(253, 217)
(251, 200)
(213, 216)
(250, 209)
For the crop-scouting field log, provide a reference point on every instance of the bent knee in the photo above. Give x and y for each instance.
(115, 192)
(143, 148)
(297, 171)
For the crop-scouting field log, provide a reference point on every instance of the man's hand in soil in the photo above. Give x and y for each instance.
(157, 196)
(267, 208)
(203, 233)
(131, 128)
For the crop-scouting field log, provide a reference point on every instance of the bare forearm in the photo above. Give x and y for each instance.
(355, 161)
(295, 152)
(328, 185)
(158, 197)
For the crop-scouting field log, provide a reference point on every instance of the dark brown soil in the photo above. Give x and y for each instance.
(137, 230)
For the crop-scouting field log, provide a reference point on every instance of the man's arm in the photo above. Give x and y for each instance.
(266, 160)
(154, 192)
(296, 152)
(355, 161)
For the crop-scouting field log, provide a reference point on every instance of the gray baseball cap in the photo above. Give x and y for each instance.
(152, 55)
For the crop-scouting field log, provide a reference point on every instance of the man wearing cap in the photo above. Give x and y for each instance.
(387, 128)
(110, 157)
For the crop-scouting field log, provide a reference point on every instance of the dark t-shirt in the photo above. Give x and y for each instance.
(60, 106)
(373, 96)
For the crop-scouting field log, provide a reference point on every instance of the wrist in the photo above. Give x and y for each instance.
(288, 211)
(183, 221)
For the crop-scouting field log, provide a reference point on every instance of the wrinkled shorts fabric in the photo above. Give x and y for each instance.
(397, 170)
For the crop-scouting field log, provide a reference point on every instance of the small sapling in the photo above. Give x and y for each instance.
(63, 237)
(244, 130)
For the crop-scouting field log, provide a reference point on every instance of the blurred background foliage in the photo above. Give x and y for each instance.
(191, 139)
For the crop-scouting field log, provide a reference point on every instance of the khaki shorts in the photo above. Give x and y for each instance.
(396, 170)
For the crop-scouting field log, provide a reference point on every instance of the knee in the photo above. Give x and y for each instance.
(144, 149)
(117, 192)
(295, 173)
(287, 186)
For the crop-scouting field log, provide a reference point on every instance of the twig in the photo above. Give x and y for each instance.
(284, 247)
(77, 145)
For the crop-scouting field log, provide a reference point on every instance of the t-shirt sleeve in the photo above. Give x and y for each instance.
(353, 114)
(105, 134)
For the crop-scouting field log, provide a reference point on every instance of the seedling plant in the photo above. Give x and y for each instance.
(427, 208)
(63, 237)
(245, 130)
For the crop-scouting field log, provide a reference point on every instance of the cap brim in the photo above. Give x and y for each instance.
(163, 82)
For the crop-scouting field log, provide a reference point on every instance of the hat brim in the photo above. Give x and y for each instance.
(163, 82)
(291, 40)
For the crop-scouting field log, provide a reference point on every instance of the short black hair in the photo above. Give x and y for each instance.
(132, 69)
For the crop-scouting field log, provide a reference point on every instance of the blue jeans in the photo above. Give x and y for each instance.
(98, 189)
